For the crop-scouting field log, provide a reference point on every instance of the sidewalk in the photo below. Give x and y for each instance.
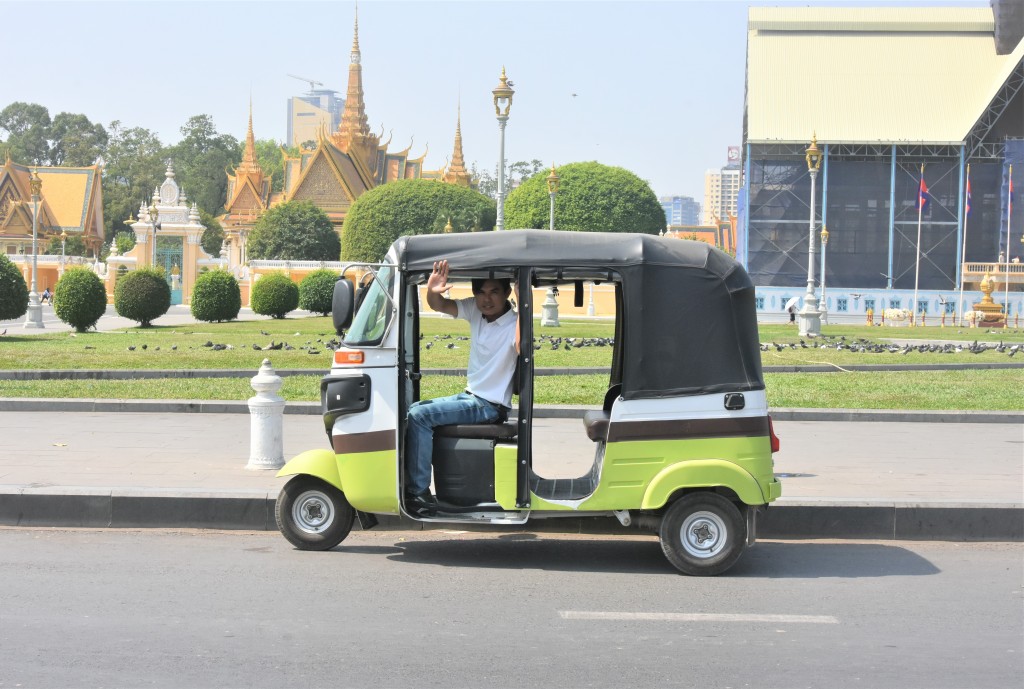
(893, 479)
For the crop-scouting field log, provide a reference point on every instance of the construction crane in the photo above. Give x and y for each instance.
(312, 82)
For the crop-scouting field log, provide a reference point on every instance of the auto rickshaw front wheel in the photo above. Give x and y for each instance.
(703, 534)
(312, 514)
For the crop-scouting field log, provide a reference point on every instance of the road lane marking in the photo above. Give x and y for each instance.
(694, 617)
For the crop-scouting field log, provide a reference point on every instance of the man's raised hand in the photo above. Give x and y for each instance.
(438, 280)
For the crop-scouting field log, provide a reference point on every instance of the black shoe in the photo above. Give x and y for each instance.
(421, 504)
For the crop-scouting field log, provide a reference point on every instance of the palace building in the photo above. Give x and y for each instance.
(344, 164)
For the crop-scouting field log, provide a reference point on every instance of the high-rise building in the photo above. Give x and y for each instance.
(680, 210)
(721, 189)
(308, 113)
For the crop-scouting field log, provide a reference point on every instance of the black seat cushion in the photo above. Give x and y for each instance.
(596, 423)
(489, 431)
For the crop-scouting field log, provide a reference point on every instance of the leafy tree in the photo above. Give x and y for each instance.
(28, 132)
(413, 206)
(133, 166)
(75, 141)
(200, 159)
(274, 294)
(316, 291)
(216, 297)
(296, 231)
(142, 295)
(125, 241)
(74, 246)
(213, 235)
(486, 182)
(591, 198)
(79, 299)
(13, 291)
(271, 158)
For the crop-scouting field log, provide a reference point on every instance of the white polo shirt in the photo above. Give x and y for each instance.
(492, 353)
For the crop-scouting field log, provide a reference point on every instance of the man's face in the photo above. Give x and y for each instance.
(491, 299)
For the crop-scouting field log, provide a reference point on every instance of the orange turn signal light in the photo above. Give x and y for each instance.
(348, 356)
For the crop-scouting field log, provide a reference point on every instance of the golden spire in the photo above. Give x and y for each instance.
(354, 127)
(249, 162)
(355, 55)
(456, 172)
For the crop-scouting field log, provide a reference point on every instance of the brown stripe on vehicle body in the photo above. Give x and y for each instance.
(374, 441)
(684, 429)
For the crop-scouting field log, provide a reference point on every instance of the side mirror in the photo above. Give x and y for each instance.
(342, 304)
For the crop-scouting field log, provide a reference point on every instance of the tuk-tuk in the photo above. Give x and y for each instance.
(682, 442)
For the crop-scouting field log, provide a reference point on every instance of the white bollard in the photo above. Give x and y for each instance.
(266, 411)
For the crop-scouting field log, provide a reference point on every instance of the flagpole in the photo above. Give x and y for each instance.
(917, 263)
(1006, 269)
(963, 253)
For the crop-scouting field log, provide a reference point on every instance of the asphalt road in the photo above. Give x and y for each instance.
(214, 609)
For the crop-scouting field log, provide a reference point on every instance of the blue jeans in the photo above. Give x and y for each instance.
(424, 416)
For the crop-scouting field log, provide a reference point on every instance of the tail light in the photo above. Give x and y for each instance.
(771, 433)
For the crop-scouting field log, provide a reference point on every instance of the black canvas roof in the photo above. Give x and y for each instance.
(689, 321)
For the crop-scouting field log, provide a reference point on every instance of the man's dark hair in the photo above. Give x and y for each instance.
(478, 284)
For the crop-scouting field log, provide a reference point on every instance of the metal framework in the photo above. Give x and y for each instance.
(995, 109)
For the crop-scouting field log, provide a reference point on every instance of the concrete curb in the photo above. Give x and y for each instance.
(40, 404)
(124, 508)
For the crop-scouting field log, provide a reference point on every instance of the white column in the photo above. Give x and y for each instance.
(266, 411)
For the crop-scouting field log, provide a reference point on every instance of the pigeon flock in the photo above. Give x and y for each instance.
(544, 341)
(865, 346)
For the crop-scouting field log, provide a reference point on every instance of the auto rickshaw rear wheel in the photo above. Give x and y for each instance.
(703, 534)
(312, 514)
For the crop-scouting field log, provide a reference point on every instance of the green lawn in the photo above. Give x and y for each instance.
(181, 347)
(958, 390)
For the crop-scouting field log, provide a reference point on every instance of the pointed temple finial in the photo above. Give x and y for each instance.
(249, 163)
(456, 172)
(354, 130)
(355, 39)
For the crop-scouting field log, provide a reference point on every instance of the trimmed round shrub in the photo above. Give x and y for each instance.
(13, 291)
(274, 294)
(411, 206)
(142, 295)
(216, 297)
(591, 198)
(294, 231)
(316, 291)
(79, 299)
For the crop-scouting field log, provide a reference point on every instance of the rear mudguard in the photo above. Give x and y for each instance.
(320, 463)
(702, 473)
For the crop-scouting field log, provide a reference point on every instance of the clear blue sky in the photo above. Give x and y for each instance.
(658, 85)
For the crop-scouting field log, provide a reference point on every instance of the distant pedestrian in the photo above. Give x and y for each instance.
(792, 314)
(46, 295)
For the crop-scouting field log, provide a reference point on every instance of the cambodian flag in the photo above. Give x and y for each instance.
(922, 194)
(968, 209)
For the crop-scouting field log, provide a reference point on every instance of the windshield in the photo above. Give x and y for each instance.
(374, 311)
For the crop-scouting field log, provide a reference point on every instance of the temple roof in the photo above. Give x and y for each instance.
(71, 198)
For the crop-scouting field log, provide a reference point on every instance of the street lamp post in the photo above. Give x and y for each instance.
(154, 220)
(549, 315)
(63, 240)
(35, 307)
(502, 104)
(809, 318)
(824, 303)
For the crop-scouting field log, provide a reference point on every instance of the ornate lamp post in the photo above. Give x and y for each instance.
(35, 307)
(824, 304)
(549, 315)
(809, 318)
(63, 240)
(502, 104)
(154, 220)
